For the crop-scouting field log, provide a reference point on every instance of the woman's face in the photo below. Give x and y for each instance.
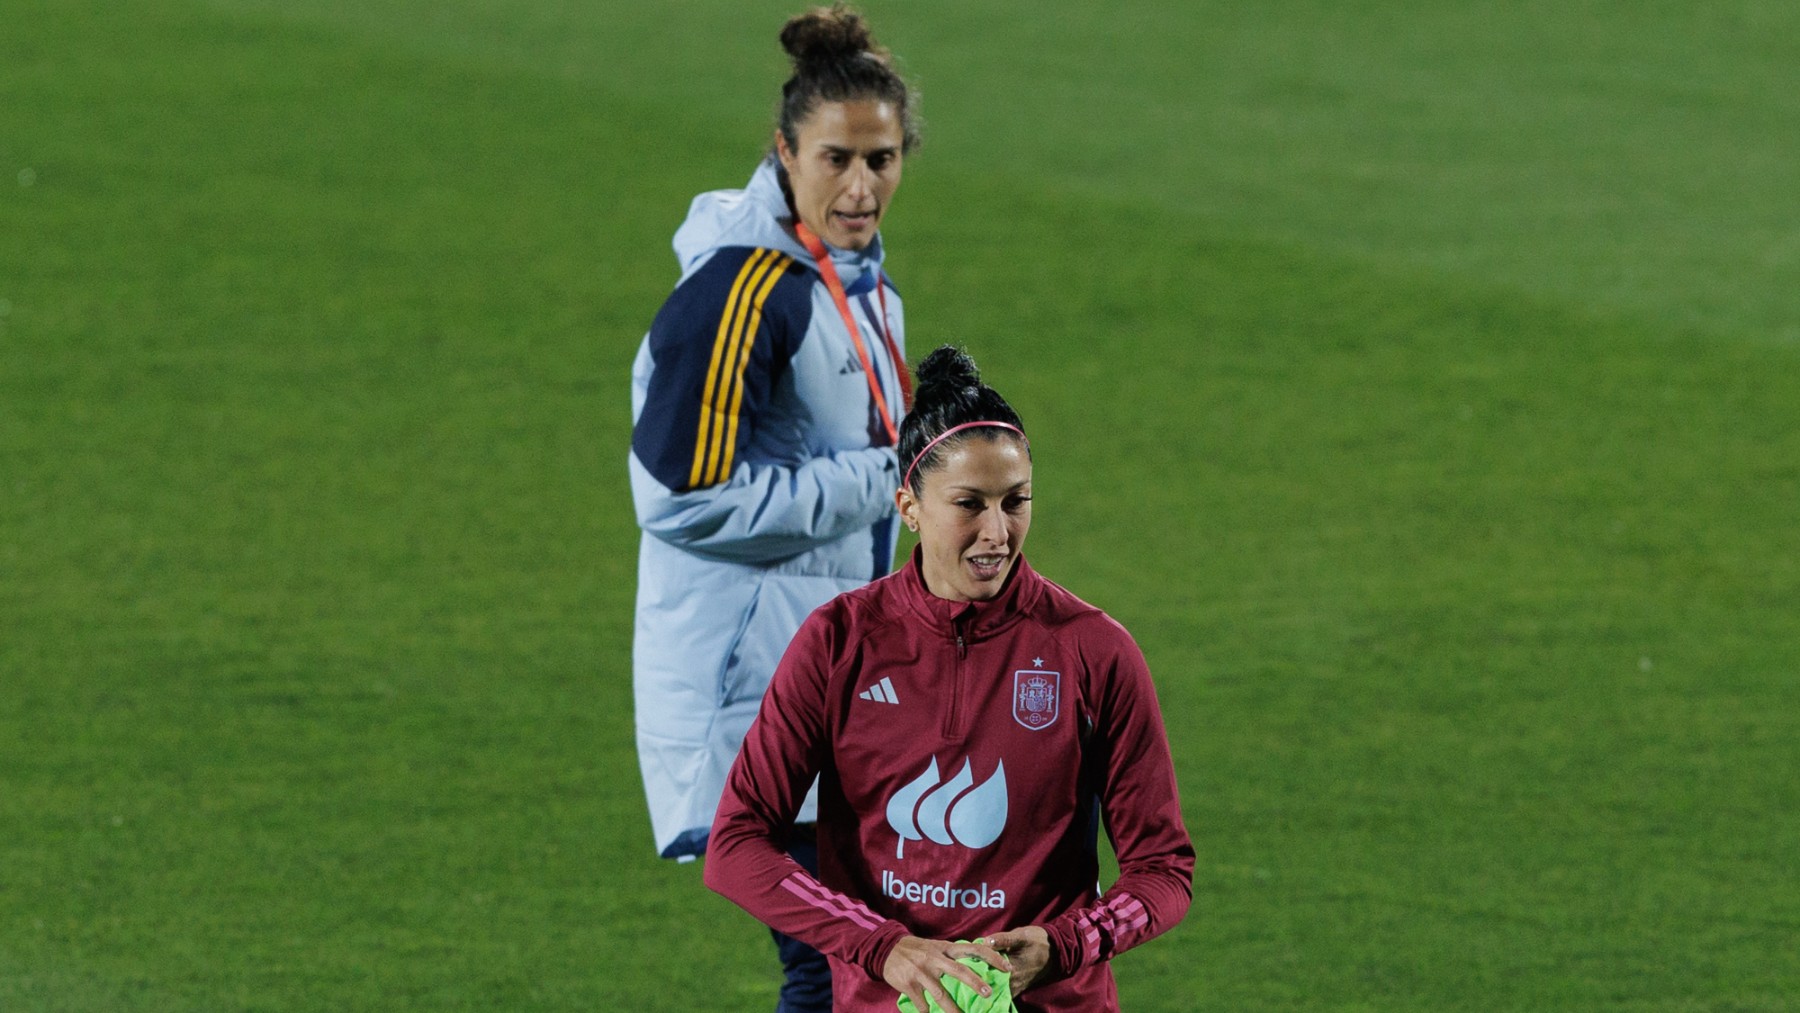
(843, 168)
(972, 514)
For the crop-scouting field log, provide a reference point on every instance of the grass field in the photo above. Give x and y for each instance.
(1420, 383)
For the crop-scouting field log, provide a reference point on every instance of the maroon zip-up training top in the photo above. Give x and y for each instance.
(964, 752)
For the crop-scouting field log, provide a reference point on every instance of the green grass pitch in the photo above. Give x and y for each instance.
(1419, 382)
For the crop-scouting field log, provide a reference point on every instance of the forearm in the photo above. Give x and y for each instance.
(1140, 906)
(744, 864)
(781, 756)
(767, 512)
(1141, 807)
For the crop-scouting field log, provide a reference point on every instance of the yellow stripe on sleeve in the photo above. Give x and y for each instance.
(739, 286)
(737, 380)
(741, 338)
(715, 441)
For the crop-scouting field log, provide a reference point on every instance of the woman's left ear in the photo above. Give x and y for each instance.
(782, 151)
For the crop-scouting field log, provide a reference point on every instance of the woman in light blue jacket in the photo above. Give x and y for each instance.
(766, 399)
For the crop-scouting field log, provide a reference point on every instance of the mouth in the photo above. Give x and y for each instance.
(855, 221)
(989, 566)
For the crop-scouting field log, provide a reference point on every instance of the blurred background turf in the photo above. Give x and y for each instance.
(1417, 382)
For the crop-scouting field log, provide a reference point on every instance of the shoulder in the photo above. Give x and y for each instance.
(1059, 605)
(857, 615)
(1075, 619)
(828, 638)
(872, 605)
(739, 281)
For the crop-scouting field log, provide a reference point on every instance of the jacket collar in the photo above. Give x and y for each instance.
(973, 620)
(758, 215)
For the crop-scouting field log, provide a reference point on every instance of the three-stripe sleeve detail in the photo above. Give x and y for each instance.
(715, 443)
(837, 905)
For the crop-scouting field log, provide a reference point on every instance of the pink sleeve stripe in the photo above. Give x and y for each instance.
(1112, 921)
(831, 902)
(1090, 942)
(1130, 916)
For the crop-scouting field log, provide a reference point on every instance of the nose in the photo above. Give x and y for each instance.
(862, 179)
(993, 527)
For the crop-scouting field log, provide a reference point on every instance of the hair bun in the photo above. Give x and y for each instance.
(949, 396)
(947, 368)
(828, 35)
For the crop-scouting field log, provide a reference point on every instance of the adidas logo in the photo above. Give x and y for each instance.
(881, 692)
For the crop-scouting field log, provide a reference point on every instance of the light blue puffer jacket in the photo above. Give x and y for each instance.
(762, 477)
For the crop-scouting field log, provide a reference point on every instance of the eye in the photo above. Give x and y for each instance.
(1016, 503)
(973, 506)
(838, 159)
(881, 161)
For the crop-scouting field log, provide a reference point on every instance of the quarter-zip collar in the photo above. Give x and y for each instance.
(970, 621)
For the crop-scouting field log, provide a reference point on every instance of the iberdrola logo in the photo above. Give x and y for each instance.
(957, 811)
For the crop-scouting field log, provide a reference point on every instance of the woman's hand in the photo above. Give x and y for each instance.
(914, 966)
(1028, 949)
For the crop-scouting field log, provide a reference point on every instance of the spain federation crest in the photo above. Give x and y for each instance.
(1037, 698)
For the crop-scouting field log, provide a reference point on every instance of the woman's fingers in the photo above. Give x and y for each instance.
(947, 1004)
(1027, 951)
(946, 965)
(988, 948)
(917, 998)
(917, 966)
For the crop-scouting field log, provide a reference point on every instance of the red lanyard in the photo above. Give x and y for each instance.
(828, 271)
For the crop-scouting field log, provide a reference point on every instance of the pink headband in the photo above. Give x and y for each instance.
(952, 431)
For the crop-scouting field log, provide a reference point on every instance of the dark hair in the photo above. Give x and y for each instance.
(836, 59)
(950, 393)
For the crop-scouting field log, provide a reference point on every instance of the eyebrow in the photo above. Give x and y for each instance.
(970, 488)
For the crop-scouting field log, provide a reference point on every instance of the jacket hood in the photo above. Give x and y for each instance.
(758, 216)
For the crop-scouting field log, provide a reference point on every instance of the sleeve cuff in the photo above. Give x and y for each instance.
(881, 943)
(1065, 947)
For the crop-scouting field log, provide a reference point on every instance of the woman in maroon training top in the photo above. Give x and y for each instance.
(972, 726)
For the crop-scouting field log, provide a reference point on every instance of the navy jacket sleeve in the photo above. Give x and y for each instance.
(719, 346)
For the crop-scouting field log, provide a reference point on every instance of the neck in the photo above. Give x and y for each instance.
(821, 250)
